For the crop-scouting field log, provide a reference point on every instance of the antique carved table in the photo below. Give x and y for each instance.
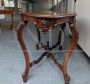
(7, 11)
(44, 22)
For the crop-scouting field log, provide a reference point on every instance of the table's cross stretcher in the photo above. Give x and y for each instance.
(42, 23)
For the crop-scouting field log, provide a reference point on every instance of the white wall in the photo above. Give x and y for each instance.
(83, 24)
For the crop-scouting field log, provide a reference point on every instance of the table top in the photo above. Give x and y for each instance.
(6, 11)
(48, 14)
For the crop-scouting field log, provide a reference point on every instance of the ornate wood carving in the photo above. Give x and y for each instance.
(42, 21)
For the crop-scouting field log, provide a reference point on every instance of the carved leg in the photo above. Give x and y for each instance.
(61, 36)
(69, 50)
(24, 49)
(39, 38)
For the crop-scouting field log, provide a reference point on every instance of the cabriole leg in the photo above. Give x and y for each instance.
(24, 49)
(70, 49)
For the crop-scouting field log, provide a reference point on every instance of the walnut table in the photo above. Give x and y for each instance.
(7, 11)
(45, 21)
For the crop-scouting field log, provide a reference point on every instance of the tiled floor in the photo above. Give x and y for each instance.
(12, 63)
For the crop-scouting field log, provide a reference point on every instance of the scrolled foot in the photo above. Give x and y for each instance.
(67, 79)
(37, 46)
(25, 74)
(24, 77)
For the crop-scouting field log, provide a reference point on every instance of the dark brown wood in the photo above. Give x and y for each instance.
(7, 11)
(55, 61)
(24, 49)
(59, 38)
(39, 59)
(72, 45)
(47, 47)
(39, 38)
(45, 22)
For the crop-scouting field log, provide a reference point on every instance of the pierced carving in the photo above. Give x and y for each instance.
(48, 22)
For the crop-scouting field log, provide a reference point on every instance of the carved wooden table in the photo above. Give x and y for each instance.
(7, 11)
(45, 22)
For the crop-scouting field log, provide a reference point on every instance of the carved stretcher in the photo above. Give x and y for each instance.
(44, 22)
